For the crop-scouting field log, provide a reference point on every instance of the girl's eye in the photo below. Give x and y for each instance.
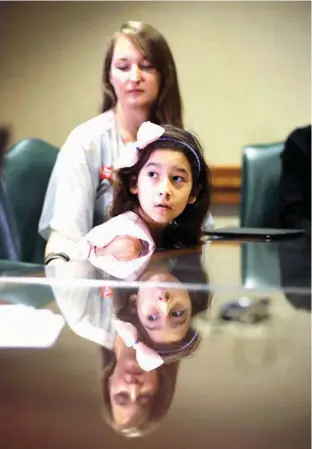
(178, 178)
(152, 317)
(178, 313)
(152, 174)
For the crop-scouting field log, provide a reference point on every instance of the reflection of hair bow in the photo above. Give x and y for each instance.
(147, 133)
(147, 358)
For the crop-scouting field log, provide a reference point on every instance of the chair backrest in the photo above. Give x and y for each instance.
(260, 267)
(26, 173)
(8, 240)
(261, 173)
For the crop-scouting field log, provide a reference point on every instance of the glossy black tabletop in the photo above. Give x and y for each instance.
(239, 377)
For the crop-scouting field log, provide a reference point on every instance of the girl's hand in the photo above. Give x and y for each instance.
(123, 248)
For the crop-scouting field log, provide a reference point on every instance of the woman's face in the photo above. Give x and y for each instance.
(131, 389)
(135, 81)
(165, 313)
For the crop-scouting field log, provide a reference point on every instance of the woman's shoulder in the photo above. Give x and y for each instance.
(94, 128)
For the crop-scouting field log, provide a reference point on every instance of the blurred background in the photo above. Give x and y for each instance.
(244, 70)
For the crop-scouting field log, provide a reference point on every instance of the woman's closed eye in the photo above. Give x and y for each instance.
(145, 399)
(122, 65)
(126, 65)
(122, 398)
(145, 65)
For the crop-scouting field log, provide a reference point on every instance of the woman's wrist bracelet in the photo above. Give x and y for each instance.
(54, 256)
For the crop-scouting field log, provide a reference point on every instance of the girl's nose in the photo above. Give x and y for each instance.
(164, 189)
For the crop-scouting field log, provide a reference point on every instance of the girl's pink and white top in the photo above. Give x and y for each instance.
(127, 224)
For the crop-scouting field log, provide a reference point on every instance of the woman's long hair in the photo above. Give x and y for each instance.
(168, 106)
(144, 421)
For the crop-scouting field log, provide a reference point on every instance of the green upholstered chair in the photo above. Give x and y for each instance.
(8, 234)
(259, 209)
(26, 172)
(261, 172)
(8, 248)
(260, 266)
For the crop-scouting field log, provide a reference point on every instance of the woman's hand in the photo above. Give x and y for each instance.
(58, 243)
(123, 248)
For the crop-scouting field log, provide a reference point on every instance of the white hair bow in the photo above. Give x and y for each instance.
(147, 133)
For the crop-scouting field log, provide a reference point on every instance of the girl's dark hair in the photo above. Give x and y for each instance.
(186, 230)
(168, 106)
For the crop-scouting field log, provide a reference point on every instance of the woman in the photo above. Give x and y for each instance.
(140, 83)
(135, 402)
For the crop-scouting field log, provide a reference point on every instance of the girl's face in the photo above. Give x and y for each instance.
(164, 187)
(135, 81)
(165, 313)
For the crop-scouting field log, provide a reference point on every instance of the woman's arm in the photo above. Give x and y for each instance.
(59, 243)
(68, 209)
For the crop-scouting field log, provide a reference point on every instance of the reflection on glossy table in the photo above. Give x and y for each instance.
(246, 386)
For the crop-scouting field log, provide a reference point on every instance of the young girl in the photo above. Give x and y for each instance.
(161, 198)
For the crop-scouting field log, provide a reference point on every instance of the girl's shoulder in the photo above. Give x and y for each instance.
(128, 223)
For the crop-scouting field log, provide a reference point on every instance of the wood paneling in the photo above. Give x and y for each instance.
(226, 185)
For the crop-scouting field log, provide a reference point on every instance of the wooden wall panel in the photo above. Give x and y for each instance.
(226, 185)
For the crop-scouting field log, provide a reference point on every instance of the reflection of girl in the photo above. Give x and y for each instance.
(134, 400)
(163, 315)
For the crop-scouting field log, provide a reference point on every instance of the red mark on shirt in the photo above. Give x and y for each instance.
(106, 172)
(106, 292)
